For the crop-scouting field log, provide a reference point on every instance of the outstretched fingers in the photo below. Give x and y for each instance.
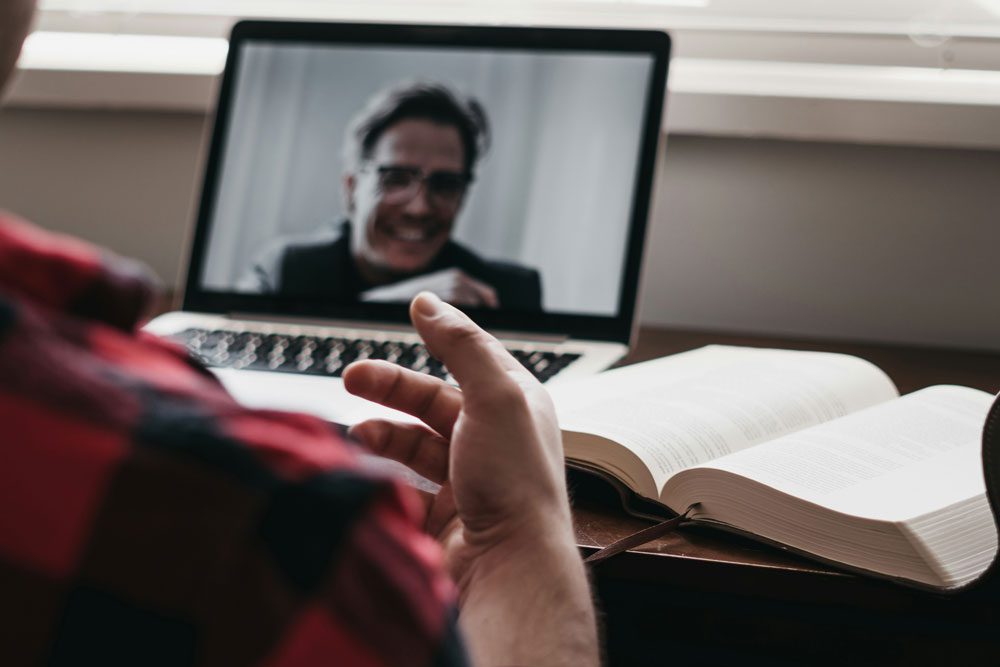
(432, 401)
(417, 447)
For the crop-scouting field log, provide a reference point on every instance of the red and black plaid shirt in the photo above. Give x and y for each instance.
(145, 518)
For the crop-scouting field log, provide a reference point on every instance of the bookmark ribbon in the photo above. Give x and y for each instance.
(639, 538)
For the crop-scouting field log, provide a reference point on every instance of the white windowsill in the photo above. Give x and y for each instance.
(825, 102)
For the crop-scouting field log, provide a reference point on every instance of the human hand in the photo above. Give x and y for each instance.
(452, 285)
(502, 514)
(494, 445)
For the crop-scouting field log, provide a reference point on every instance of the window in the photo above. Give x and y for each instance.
(740, 66)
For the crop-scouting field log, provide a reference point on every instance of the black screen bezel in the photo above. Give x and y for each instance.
(615, 328)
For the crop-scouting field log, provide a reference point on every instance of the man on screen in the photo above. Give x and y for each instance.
(411, 156)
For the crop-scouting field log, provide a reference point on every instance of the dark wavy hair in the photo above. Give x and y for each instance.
(424, 101)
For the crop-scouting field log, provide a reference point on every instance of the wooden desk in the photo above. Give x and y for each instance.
(704, 597)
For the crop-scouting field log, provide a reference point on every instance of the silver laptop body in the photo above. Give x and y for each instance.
(322, 212)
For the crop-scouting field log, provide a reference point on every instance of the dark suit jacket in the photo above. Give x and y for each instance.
(326, 269)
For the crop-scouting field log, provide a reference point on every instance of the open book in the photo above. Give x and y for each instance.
(813, 451)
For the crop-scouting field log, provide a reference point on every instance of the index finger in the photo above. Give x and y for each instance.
(473, 357)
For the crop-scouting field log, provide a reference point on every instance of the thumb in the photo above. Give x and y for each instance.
(472, 356)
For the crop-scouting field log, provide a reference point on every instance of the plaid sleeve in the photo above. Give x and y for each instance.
(147, 519)
(68, 275)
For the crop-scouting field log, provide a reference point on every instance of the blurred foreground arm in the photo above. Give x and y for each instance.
(502, 514)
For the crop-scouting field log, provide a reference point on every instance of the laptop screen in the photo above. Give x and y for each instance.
(507, 171)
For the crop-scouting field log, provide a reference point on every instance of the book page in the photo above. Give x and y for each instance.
(683, 410)
(893, 462)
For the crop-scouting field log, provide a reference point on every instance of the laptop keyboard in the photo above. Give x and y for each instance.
(317, 355)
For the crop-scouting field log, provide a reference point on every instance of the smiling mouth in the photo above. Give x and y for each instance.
(412, 234)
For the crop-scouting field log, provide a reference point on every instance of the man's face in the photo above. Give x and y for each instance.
(406, 196)
(15, 19)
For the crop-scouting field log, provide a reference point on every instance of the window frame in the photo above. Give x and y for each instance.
(859, 81)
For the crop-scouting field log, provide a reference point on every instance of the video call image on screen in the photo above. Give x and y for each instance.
(496, 179)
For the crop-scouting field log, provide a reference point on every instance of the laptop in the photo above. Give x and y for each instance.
(507, 169)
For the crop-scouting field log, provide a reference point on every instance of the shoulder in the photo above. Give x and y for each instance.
(514, 271)
(319, 246)
(292, 263)
(456, 254)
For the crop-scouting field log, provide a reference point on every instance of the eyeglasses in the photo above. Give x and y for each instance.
(444, 189)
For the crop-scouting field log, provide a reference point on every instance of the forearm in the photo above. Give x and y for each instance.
(530, 604)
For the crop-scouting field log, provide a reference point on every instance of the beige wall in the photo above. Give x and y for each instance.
(862, 242)
(125, 181)
(866, 242)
